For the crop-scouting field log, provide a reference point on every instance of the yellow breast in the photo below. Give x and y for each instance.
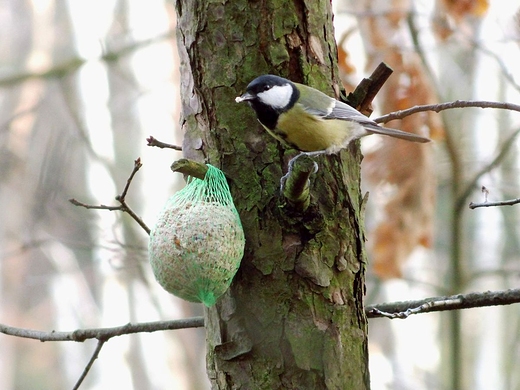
(309, 133)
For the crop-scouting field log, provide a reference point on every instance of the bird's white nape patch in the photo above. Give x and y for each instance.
(278, 96)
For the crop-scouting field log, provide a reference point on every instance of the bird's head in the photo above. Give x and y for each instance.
(270, 91)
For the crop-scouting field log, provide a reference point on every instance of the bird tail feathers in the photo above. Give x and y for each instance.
(395, 133)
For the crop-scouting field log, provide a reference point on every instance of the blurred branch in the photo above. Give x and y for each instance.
(80, 126)
(66, 67)
(503, 67)
(4, 126)
(510, 202)
(121, 199)
(455, 302)
(155, 142)
(414, 33)
(446, 106)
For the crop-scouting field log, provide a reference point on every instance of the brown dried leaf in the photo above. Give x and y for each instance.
(407, 169)
(459, 9)
(457, 14)
(397, 12)
(346, 67)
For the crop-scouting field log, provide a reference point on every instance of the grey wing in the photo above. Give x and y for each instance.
(344, 111)
(326, 107)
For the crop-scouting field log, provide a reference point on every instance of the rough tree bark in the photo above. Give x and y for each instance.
(293, 317)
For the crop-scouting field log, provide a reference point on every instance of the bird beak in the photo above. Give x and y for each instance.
(244, 98)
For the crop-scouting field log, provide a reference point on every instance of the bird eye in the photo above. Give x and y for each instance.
(267, 87)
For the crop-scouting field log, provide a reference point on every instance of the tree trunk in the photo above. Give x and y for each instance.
(293, 317)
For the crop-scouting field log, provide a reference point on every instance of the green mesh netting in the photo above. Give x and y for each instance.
(197, 243)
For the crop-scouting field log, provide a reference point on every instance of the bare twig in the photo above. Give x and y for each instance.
(425, 307)
(81, 335)
(121, 199)
(89, 364)
(509, 202)
(137, 166)
(504, 149)
(129, 211)
(446, 106)
(94, 207)
(390, 310)
(455, 302)
(155, 142)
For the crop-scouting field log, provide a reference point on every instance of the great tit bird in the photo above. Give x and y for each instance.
(307, 119)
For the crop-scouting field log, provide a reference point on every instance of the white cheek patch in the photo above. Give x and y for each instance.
(278, 96)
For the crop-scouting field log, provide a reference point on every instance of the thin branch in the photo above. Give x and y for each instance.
(137, 166)
(455, 302)
(390, 310)
(89, 364)
(506, 145)
(121, 199)
(105, 334)
(129, 211)
(159, 144)
(510, 202)
(446, 106)
(76, 202)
